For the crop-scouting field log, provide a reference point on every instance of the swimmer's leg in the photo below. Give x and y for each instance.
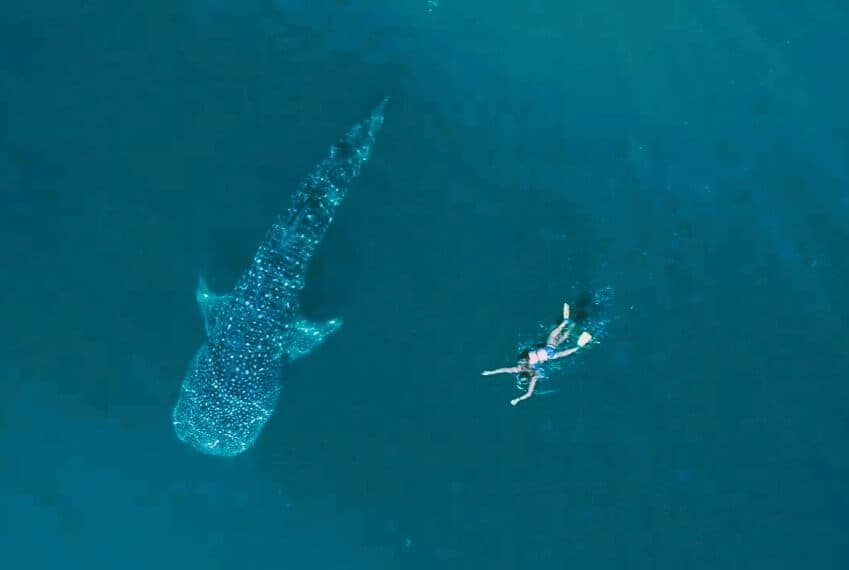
(527, 394)
(557, 336)
(583, 340)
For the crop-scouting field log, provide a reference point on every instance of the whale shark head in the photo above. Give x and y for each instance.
(222, 408)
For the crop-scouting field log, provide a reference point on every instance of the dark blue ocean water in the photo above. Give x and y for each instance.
(684, 162)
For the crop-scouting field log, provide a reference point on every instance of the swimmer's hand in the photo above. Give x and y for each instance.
(565, 311)
(584, 339)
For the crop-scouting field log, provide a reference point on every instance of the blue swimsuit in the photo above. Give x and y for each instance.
(550, 351)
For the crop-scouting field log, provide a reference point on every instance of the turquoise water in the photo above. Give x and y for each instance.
(684, 162)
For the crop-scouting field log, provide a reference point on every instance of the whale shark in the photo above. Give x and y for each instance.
(233, 382)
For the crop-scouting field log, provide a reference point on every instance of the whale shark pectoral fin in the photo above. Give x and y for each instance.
(306, 336)
(210, 304)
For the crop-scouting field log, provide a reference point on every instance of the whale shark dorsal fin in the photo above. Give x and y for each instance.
(306, 336)
(210, 304)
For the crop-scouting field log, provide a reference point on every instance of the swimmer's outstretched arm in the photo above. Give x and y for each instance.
(514, 370)
(531, 385)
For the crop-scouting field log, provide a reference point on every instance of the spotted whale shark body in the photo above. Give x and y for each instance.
(234, 380)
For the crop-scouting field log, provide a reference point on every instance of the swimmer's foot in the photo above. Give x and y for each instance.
(565, 311)
(584, 339)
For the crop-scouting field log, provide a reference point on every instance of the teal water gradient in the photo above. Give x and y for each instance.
(691, 157)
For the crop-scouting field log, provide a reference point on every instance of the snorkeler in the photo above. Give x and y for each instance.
(529, 367)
